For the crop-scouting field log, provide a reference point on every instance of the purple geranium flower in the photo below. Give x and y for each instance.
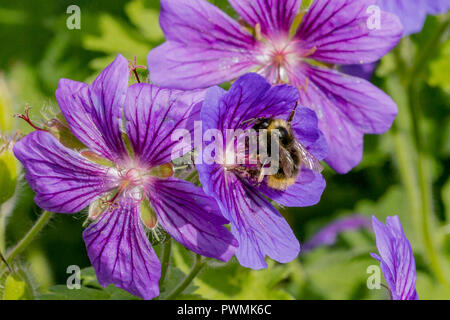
(412, 17)
(396, 258)
(206, 47)
(66, 181)
(257, 225)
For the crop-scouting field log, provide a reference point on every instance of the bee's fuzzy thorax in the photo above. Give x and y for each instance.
(276, 123)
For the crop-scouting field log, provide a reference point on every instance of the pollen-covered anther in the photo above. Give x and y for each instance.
(310, 52)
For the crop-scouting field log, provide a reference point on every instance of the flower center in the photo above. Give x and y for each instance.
(129, 182)
(133, 177)
(279, 58)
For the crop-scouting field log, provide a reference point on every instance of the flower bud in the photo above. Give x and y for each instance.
(61, 130)
(163, 171)
(96, 209)
(148, 215)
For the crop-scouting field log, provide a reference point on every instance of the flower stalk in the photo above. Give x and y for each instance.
(29, 237)
(198, 265)
(165, 260)
(414, 170)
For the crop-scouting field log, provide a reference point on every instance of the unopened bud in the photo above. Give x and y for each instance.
(61, 130)
(163, 171)
(96, 209)
(148, 215)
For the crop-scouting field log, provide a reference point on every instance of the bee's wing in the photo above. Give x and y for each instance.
(286, 162)
(308, 160)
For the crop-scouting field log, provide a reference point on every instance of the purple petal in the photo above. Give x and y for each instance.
(306, 130)
(94, 113)
(340, 33)
(437, 6)
(191, 218)
(364, 71)
(250, 97)
(63, 180)
(347, 108)
(413, 16)
(306, 191)
(396, 257)
(152, 115)
(328, 235)
(120, 252)
(258, 227)
(274, 16)
(205, 46)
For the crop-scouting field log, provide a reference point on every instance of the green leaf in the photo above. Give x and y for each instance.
(390, 204)
(117, 38)
(6, 109)
(90, 290)
(429, 289)
(440, 69)
(61, 292)
(338, 274)
(146, 19)
(17, 287)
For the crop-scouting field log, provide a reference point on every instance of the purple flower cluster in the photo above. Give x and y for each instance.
(206, 47)
(280, 60)
(65, 181)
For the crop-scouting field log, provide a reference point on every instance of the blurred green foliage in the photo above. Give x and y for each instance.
(38, 50)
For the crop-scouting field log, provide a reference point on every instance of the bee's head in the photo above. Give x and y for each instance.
(283, 134)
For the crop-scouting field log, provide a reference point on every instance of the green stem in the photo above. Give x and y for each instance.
(427, 223)
(425, 185)
(408, 172)
(428, 50)
(165, 260)
(5, 262)
(414, 168)
(198, 265)
(29, 237)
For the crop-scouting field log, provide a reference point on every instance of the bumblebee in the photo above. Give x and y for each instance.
(293, 156)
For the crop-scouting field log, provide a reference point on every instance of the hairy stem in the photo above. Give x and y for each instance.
(423, 169)
(29, 237)
(425, 186)
(165, 261)
(410, 149)
(198, 265)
